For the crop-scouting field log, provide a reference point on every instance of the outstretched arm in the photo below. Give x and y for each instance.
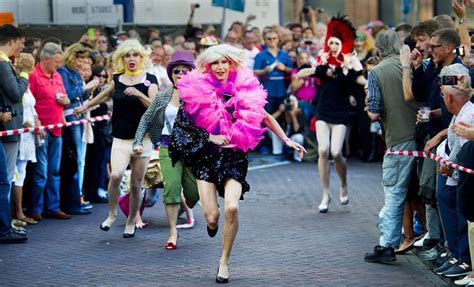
(100, 98)
(273, 125)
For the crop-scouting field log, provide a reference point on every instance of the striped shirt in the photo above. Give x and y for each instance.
(375, 101)
(153, 119)
(455, 142)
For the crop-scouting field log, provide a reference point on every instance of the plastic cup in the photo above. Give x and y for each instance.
(425, 114)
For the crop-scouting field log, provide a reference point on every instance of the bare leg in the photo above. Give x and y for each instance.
(337, 140)
(119, 162)
(233, 191)
(139, 223)
(139, 165)
(189, 214)
(17, 198)
(408, 228)
(172, 215)
(208, 197)
(323, 134)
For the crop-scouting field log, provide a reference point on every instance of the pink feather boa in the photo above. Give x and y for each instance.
(204, 102)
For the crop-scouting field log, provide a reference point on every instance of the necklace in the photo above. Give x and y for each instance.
(129, 80)
(133, 73)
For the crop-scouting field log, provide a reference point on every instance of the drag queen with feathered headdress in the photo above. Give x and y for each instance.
(338, 69)
(220, 120)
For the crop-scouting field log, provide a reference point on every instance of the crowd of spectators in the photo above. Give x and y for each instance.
(68, 168)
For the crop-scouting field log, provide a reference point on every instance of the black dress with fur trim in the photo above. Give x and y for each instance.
(209, 162)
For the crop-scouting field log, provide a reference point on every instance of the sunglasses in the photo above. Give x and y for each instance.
(434, 46)
(176, 71)
(102, 76)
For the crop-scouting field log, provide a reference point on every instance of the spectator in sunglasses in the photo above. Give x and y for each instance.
(98, 152)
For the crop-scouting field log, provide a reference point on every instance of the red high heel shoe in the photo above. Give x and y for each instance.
(171, 245)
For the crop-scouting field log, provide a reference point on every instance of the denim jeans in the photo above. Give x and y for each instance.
(396, 179)
(454, 223)
(46, 175)
(432, 222)
(5, 216)
(76, 133)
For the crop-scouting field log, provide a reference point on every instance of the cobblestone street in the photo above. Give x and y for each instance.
(282, 240)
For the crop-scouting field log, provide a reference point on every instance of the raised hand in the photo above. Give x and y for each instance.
(405, 54)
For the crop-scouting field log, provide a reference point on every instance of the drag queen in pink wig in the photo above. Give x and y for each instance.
(220, 120)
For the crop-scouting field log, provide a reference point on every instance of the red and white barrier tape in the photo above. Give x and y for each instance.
(431, 156)
(60, 125)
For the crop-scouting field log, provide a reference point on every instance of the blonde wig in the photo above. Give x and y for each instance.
(76, 50)
(214, 53)
(123, 49)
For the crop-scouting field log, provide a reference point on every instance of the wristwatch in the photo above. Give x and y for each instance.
(462, 20)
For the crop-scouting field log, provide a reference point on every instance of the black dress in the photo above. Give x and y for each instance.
(128, 110)
(207, 161)
(333, 95)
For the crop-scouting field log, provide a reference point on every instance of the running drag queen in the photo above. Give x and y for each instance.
(338, 69)
(219, 121)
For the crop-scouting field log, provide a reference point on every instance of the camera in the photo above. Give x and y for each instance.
(304, 66)
(308, 42)
(9, 109)
(460, 51)
(449, 80)
(196, 5)
(305, 9)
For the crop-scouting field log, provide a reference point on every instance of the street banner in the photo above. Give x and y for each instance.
(237, 5)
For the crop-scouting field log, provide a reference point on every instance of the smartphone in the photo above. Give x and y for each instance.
(91, 34)
(460, 51)
(449, 80)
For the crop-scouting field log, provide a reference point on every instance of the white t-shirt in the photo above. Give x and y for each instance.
(249, 56)
(170, 113)
(162, 76)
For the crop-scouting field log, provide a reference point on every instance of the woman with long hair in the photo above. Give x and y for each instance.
(77, 92)
(158, 121)
(220, 120)
(132, 91)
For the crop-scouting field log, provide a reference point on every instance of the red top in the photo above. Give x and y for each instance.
(44, 89)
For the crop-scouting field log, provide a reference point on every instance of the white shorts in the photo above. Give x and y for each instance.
(127, 146)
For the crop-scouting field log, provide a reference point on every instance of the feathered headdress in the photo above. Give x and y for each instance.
(340, 27)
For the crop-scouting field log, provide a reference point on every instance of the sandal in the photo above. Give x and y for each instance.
(171, 245)
(28, 220)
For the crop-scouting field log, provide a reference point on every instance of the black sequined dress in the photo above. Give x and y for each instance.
(208, 161)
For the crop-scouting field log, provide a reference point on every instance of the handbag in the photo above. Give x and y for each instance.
(124, 203)
(153, 177)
